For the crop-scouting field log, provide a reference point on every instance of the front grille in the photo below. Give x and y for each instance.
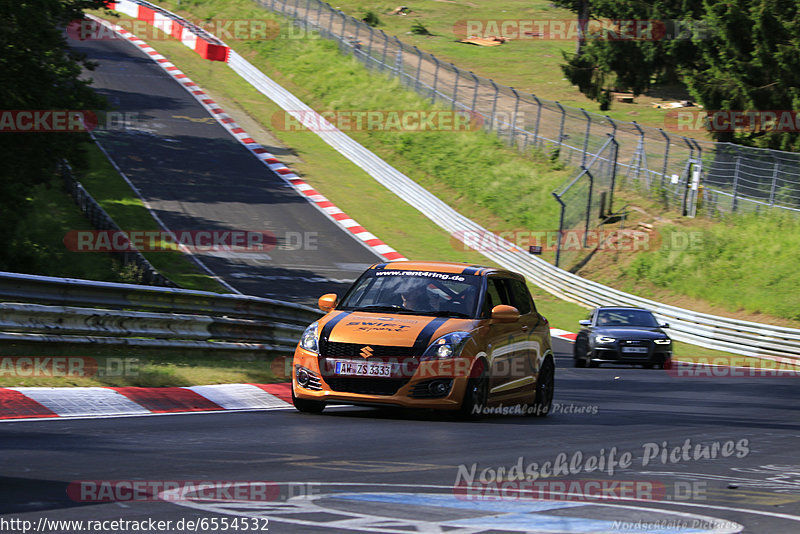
(366, 386)
(333, 349)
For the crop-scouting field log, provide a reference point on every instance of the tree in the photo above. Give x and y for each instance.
(730, 54)
(37, 72)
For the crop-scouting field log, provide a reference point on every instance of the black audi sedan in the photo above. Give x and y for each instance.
(623, 336)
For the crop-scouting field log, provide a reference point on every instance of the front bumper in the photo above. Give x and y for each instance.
(422, 389)
(617, 352)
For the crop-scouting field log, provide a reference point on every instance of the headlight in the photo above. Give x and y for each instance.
(666, 341)
(447, 346)
(309, 339)
(603, 339)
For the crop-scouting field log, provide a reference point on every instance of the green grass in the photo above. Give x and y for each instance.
(744, 263)
(114, 195)
(41, 236)
(531, 65)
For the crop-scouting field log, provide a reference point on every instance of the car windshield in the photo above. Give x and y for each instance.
(417, 292)
(626, 318)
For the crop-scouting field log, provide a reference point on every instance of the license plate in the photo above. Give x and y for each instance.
(638, 350)
(363, 369)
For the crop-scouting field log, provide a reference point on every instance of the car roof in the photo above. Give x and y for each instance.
(445, 267)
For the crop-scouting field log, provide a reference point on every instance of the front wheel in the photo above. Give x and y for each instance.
(476, 394)
(307, 406)
(545, 387)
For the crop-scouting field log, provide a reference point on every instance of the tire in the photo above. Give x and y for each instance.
(545, 387)
(475, 395)
(307, 406)
(579, 360)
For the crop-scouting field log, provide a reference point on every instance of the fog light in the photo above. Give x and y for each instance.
(438, 388)
(303, 377)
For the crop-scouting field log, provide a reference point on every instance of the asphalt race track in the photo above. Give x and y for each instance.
(197, 177)
(370, 470)
(624, 451)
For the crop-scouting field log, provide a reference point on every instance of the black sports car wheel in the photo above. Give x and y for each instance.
(545, 387)
(307, 406)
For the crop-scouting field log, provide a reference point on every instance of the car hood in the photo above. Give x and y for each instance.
(390, 329)
(641, 332)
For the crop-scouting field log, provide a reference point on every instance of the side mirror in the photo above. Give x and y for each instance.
(585, 322)
(665, 325)
(328, 302)
(503, 313)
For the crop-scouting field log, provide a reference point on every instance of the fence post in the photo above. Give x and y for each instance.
(398, 60)
(331, 16)
(455, 86)
(494, 104)
(513, 129)
(588, 204)
(639, 149)
(615, 152)
(344, 26)
(319, 14)
(736, 181)
(385, 47)
(773, 189)
(369, 48)
(435, 79)
(560, 227)
(419, 69)
(666, 157)
(475, 93)
(538, 119)
(561, 127)
(586, 137)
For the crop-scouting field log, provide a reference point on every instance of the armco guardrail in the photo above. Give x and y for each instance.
(739, 337)
(63, 310)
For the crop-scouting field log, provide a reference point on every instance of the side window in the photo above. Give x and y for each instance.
(520, 296)
(495, 294)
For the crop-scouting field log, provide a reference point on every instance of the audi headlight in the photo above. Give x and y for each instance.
(309, 339)
(665, 341)
(447, 346)
(603, 339)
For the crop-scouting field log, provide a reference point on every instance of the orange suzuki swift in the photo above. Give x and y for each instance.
(446, 336)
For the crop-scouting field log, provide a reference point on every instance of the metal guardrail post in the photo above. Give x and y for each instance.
(538, 119)
(385, 49)
(398, 60)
